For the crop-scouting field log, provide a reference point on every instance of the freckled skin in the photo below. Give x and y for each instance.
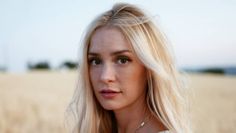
(113, 71)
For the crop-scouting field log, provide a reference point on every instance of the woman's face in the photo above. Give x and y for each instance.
(117, 76)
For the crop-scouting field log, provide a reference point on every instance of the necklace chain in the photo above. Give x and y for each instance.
(142, 123)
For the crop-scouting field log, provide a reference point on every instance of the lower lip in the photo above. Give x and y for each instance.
(110, 95)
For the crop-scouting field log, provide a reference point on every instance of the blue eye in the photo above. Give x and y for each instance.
(94, 61)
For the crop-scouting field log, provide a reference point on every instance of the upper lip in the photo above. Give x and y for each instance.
(109, 91)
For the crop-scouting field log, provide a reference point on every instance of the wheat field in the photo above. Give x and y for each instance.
(35, 102)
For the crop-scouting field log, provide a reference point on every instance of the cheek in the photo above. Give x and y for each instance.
(93, 74)
(134, 79)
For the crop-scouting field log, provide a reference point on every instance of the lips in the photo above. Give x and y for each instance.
(108, 93)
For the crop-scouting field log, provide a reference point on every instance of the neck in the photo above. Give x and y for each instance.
(130, 118)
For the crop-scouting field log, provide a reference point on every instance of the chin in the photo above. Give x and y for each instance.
(109, 106)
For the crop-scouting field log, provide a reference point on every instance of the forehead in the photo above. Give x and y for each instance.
(108, 39)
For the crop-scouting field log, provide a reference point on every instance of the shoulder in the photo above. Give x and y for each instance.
(165, 131)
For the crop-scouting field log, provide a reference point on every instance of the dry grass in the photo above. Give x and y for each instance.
(35, 102)
(214, 104)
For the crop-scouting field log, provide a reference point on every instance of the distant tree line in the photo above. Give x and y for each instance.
(39, 65)
(3, 69)
(214, 70)
(69, 65)
(44, 65)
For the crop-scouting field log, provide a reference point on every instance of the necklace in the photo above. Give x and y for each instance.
(145, 121)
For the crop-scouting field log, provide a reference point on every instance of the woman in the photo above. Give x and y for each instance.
(127, 79)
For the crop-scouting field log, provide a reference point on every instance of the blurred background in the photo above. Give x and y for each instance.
(39, 42)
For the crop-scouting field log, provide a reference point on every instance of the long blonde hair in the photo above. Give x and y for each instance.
(165, 90)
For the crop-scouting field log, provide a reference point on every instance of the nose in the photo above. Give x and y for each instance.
(107, 74)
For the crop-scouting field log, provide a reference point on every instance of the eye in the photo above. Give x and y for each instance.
(94, 61)
(123, 60)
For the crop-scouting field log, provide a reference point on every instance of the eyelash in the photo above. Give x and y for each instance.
(94, 60)
(119, 60)
(123, 58)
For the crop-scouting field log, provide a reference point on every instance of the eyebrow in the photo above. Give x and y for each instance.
(113, 53)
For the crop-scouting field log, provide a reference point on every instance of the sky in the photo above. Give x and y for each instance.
(202, 32)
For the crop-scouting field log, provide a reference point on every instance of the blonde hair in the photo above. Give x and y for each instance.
(165, 91)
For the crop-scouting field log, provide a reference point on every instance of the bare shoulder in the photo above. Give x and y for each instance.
(166, 131)
(155, 125)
